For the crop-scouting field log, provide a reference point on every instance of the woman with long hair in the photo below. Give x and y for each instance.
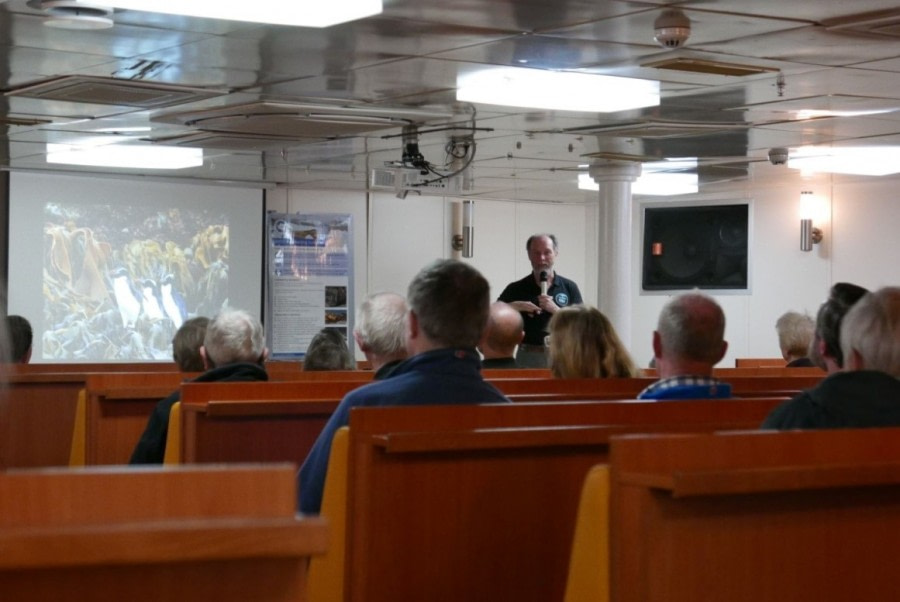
(584, 344)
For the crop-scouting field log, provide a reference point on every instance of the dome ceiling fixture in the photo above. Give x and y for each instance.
(70, 14)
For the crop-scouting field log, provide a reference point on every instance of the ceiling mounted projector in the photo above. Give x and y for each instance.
(672, 28)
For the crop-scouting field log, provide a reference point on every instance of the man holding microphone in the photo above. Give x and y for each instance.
(538, 296)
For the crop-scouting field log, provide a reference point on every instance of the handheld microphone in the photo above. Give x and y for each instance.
(543, 283)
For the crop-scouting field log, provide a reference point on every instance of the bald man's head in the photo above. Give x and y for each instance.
(504, 331)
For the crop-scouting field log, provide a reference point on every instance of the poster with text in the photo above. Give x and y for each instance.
(310, 276)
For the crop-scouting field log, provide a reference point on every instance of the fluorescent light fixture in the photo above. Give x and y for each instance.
(122, 155)
(300, 13)
(556, 90)
(855, 160)
(817, 113)
(658, 178)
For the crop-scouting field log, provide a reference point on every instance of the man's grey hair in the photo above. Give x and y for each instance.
(451, 300)
(234, 336)
(795, 332)
(692, 326)
(381, 323)
(872, 329)
(552, 238)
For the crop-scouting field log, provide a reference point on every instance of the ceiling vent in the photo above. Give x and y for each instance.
(298, 121)
(112, 91)
(659, 129)
(884, 23)
(695, 65)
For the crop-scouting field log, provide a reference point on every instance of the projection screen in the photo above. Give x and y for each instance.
(106, 270)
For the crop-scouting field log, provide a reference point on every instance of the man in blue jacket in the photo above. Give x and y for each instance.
(448, 308)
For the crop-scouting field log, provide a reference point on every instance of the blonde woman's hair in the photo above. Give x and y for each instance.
(584, 344)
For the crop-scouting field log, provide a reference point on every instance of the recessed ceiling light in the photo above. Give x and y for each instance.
(126, 156)
(556, 90)
(301, 13)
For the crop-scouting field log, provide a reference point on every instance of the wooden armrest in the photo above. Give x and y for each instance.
(160, 541)
(508, 438)
(263, 407)
(766, 479)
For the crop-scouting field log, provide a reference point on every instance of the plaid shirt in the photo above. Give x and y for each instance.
(687, 387)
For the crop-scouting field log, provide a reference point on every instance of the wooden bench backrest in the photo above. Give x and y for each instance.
(104, 496)
(752, 516)
(202, 393)
(252, 430)
(756, 362)
(497, 482)
(118, 406)
(222, 533)
(619, 388)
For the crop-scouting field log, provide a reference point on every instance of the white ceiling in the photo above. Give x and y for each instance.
(252, 95)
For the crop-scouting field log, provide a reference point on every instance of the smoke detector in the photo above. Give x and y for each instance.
(73, 14)
(672, 29)
(778, 155)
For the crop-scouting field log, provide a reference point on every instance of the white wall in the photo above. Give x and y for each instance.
(396, 237)
(860, 222)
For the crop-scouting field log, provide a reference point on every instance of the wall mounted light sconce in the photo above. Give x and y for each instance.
(465, 242)
(809, 235)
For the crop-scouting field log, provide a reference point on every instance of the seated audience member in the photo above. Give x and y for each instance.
(687, 343)
(328, 351)
(584, 344)
(233, 350)
(18, 329)
(825, 349)
(187, 342)
(504, 331)
(867, 392)
(448, 309)
(380, 332)
(795, 334)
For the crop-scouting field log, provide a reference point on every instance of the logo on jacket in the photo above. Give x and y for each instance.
(561, 299)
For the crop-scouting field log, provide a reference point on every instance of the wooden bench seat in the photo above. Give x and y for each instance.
(744, 517)
(151, 534)
(494, 488)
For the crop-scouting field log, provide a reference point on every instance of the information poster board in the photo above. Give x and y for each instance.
(310, 276)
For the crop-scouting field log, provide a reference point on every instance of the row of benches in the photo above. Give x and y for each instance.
(52, 419)
(481, 503)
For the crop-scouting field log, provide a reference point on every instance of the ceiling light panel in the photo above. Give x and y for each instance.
(125, 156)
(299, 13)
(556, 90)
(854, 160)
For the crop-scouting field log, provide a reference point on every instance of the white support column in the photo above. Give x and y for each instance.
(614, 236)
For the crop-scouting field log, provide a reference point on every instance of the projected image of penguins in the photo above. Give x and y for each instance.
(127, 297)
(172, 301)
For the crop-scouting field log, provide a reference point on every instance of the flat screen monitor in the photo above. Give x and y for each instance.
(703, 246)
